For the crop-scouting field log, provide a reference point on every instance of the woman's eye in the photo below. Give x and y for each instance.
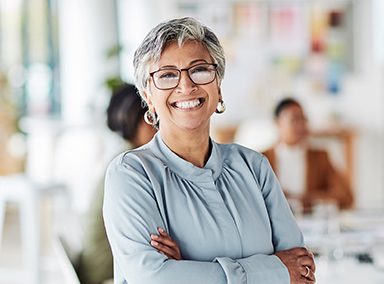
(168, 75)
(199, 69)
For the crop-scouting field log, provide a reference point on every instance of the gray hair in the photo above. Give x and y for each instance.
(176, 30)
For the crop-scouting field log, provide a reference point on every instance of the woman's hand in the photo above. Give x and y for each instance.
(300, 264)
(166, 245)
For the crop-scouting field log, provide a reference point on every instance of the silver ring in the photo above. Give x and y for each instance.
(308, 270)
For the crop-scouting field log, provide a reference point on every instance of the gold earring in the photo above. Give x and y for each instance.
(222, 107)
(151, 118)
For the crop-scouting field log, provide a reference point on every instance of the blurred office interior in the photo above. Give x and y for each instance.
(59, 60)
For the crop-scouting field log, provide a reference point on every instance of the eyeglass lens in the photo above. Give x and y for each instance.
(169, 78)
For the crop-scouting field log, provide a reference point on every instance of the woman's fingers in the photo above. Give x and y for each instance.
(303, 257)
(165, 239)
(162, 232)
(306, 261)
(166, 245)
(300, 264)
(309, 274)
(169, 252)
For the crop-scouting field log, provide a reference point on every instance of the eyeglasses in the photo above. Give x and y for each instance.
(169, 78)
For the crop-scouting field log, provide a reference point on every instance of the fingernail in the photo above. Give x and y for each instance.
(161, 230)
(154, 243)
(154, 236)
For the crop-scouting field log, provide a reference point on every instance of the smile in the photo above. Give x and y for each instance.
(188, 104)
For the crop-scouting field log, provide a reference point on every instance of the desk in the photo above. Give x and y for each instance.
(347, 270)
(354, 254)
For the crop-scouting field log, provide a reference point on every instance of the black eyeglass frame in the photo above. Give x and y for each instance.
(189, 76)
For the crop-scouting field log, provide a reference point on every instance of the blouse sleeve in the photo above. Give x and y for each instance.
(131, 214)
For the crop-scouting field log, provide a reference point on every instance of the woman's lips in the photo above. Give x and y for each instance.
(188, 104)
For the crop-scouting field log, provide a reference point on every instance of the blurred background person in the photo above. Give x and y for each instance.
(305, 173)
(125, 115)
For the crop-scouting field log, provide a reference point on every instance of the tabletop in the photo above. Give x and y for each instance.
(348, 245)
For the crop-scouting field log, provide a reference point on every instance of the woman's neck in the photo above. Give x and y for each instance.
(189, 145)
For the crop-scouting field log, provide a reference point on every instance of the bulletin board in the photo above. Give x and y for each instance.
(295, 38)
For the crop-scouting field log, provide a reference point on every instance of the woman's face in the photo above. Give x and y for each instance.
(188, 106)
(292, 124)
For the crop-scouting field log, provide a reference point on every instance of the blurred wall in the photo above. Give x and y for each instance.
(87, 32)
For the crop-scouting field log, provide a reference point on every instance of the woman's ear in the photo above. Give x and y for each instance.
(148, 99)
(219, 90)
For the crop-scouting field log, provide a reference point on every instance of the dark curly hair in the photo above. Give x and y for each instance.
(125, 111)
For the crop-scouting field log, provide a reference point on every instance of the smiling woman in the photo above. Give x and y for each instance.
(183, 208)
(188, 106)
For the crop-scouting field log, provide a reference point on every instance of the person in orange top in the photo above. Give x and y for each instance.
(304, 173)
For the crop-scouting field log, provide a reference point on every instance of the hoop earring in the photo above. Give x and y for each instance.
(151, 118)
(222, 107)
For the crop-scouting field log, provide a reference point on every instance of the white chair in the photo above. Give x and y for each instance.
(67, 259)
(17, 188)
(20, 189)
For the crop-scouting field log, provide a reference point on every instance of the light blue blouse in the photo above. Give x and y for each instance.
(228, 218)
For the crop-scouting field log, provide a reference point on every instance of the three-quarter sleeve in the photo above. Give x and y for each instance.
(258, 268)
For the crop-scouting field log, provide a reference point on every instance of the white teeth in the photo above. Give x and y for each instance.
(188, 104)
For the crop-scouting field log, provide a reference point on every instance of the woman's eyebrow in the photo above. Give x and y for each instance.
(197, 60)
(191, 63)
(168, 66)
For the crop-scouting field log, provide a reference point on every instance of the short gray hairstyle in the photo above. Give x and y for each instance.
(178, 30)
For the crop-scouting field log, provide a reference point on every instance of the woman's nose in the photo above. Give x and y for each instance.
(186, 85)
